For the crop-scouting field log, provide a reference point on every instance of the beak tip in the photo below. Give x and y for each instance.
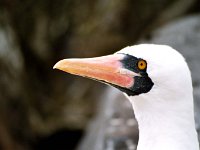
(54, 67)
(57, 65)
(61, 65)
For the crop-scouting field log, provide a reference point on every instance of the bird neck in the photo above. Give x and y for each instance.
(165, 123)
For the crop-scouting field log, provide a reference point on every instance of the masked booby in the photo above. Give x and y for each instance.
(157, 81)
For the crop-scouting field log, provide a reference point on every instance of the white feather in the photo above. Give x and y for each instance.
(165, 114)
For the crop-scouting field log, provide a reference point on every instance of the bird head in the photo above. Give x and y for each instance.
(134, 70)
(157, 81)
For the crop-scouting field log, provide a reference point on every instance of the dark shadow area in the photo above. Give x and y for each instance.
(63, 139)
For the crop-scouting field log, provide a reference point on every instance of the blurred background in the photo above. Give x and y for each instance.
(42, 108)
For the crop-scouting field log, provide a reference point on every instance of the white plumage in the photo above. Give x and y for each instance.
(165, 114)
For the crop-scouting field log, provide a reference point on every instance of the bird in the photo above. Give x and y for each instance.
(157, 81)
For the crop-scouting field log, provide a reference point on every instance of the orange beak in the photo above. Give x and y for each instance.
(108, 69)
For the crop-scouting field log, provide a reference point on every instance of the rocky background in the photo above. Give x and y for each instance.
(41, 108)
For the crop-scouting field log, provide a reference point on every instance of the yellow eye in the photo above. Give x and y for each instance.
(142, 64)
